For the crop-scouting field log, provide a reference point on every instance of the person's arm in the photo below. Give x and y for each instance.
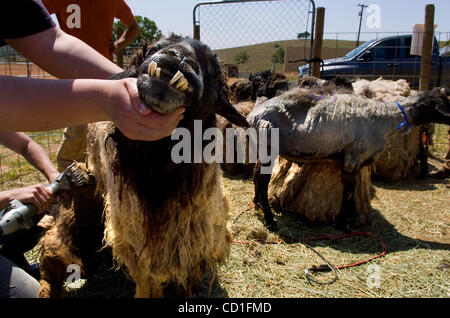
(39, 105)
(127, 36)
(31, 151)
(63, 55)
(37, 195)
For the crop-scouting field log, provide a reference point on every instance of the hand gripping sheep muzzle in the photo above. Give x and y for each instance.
(173, 77)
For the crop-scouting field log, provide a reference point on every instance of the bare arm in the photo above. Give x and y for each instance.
(31, 151)
(127, 36)
(63, 55)
(39, 105)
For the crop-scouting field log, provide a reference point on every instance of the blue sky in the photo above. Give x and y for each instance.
(340, 15)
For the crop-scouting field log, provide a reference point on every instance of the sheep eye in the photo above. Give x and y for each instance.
(192, 63)
(172, 52)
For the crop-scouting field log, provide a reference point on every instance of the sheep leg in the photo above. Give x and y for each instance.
(56, 258)
(261, 183)
(75, 237)
(347, 215)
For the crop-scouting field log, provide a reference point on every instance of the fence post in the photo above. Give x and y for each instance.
(425, 78)
(318, 39)
(197, 32)
(427, 48)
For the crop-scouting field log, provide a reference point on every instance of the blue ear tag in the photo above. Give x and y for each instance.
(404, 123)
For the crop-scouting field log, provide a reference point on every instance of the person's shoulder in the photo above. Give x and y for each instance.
(121, 3)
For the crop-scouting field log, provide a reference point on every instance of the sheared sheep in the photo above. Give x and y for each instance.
(165, 222)
(348, 128)
(314, 190)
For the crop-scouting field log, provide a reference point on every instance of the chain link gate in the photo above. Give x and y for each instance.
(256, 35)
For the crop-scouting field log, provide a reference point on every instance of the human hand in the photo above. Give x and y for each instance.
(37, 195)
(134, 119)
(51, 176)
(116, 46)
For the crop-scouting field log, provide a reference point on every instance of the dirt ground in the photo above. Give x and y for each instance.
(21, 69)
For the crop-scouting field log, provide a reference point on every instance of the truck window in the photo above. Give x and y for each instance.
(407, 48)
(386, 50)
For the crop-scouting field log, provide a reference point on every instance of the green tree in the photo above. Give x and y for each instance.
(148, 31)
(278, 56)
(241, 57)
(304, 35)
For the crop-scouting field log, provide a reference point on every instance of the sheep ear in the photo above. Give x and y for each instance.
(444, 109)
(124, 74)
(229, 112)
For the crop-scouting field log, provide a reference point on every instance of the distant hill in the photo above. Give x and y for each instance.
(260, 54)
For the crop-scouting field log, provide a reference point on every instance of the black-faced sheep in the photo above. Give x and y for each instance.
(165, 222)
(348, 128)
(267, 83)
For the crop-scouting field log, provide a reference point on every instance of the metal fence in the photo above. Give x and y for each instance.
(253, 34)
(15, 170)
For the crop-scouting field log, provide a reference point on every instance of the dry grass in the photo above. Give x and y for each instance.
(15, 171)
(412, 218)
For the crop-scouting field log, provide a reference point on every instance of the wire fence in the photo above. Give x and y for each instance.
(252, 35)
(15, 171)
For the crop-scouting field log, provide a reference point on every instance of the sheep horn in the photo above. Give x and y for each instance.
(225, 109)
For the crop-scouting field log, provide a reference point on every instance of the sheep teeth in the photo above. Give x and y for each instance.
(184, 87)
(175, 78)
(152, 68)
(181, 82)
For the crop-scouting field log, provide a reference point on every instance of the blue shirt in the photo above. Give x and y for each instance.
(19, 18)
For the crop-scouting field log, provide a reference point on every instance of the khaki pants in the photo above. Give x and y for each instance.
(73, 146)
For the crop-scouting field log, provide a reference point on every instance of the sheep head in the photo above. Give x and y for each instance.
(433, 107)
(444, 107)
(179, 72)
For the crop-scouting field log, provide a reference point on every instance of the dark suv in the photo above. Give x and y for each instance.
(389, 58)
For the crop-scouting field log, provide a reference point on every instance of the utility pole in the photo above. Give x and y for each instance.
(360, 21)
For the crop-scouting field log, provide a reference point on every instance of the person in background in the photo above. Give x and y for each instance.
(92, 22)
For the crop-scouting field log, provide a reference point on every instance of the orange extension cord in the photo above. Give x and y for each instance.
(323, 267)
